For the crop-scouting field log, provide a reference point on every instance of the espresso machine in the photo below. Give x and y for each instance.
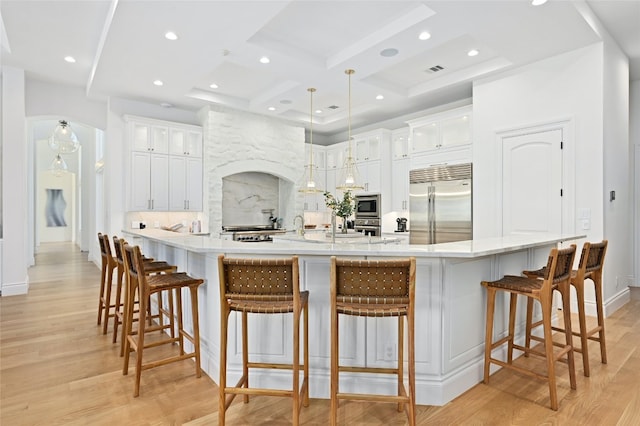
(402, 224)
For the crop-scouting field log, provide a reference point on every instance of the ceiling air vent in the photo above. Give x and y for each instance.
(333, 107)
(434, 68)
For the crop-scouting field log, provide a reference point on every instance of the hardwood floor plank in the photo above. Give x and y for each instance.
(56, 368)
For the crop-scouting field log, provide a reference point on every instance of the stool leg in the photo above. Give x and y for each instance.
(296, 368)
(584, 342)
(118, 304)
(107, 302)
(245, 353)
(545, 302)
(400, 360)
(597, 281)
(529, 321)
(140, 345)
(488, 337)
(196, 327)
(180, 320)
(412, 367)
(103, 280)
(566, 308)
(306, 355)
(222, 399)
(334, 367)
(128, 327)
(513, 305)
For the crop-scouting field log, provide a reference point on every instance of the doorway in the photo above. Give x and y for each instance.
(537, 183)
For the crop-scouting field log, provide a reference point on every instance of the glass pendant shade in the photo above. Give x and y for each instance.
(349, 177)
(63, 139)
(58, 166)
(308, 184)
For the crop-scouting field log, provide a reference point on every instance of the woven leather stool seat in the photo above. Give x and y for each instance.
(590, 267)
(557, 275)
(374, 288)
(263, 286)
(121, 316)
(144, 285)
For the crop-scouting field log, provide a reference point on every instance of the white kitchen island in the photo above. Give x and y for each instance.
(450, 309)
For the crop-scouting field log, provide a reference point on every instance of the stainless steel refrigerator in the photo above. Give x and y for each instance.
(440, 204)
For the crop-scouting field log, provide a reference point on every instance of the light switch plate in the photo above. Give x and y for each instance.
(135, 224)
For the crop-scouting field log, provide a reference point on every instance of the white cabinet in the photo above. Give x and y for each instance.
(400, 143)
(185, 142)
(367, 148)
(147, 137)
(400, 185)
(185, 186)
(149, 181)
(441, 131)
(371, 176)
(165, 172)
(314, 202)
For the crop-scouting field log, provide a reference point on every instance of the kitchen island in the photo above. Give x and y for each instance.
(450, 308)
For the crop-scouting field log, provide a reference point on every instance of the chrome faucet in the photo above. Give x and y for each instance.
(333, 227)
(301, 230)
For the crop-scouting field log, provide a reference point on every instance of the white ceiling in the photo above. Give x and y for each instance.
(120, 49)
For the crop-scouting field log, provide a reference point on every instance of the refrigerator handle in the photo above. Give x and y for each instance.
(431, 212)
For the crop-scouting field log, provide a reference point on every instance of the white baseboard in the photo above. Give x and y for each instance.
(15, 289)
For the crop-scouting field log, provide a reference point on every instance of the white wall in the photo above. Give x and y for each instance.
(634, 139)
(571, 85)
(14, 184)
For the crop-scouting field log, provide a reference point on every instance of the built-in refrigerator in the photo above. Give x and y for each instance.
(440, 204)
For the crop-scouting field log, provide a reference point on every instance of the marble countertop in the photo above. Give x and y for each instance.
(461, 249)
(325, 237)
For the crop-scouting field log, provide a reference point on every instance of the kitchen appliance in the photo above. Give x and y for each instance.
(402, 224)
(368, 206)
(367, 214)
(440, 204)
(368, 226)
(252, 233)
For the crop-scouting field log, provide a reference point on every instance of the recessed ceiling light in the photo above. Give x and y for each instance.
(538, 2)
(264, 60)
(70, 59)
(318, 111)
(271, 108)
(380, 97)
(424, 36)
(213, 86)
(170, 35)
(387, 53)
(473, 52)
(158, 82)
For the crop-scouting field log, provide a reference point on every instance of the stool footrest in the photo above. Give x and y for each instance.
(274, 366)
(258, 391)
(374, 398)
(377, 370)
(165, 361)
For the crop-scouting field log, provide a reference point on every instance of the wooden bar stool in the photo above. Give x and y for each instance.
(558, 273)
(144, 286)
(374, 288)
(151, 267)
(590, 267)
(106, 280)
(262, 286)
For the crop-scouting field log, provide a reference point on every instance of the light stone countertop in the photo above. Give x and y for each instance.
(461, 249)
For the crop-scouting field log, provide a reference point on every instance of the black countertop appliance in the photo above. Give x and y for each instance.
(402, 224)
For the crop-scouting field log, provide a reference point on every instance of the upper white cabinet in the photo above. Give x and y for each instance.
(186, 142)
(367, 147)
(165, 172)
(335, 155)
(400, 143)
(148, 137)
(441, 131)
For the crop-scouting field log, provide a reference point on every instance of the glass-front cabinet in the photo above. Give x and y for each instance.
(445, 130)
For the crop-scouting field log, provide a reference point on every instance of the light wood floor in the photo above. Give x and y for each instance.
(57, 368)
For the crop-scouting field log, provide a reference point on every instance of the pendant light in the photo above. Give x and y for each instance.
(349, 176)
(63, 139)
(308, 184)
(58, 166)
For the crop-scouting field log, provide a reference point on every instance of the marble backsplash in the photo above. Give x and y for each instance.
(246, 195)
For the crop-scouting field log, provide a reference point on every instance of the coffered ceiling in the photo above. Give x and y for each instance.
(120, 50)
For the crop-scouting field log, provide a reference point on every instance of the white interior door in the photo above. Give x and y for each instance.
(532, 183)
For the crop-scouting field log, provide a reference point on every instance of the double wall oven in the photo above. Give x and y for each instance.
(368, 214)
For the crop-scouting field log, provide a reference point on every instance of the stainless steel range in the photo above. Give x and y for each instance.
(252, 233)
